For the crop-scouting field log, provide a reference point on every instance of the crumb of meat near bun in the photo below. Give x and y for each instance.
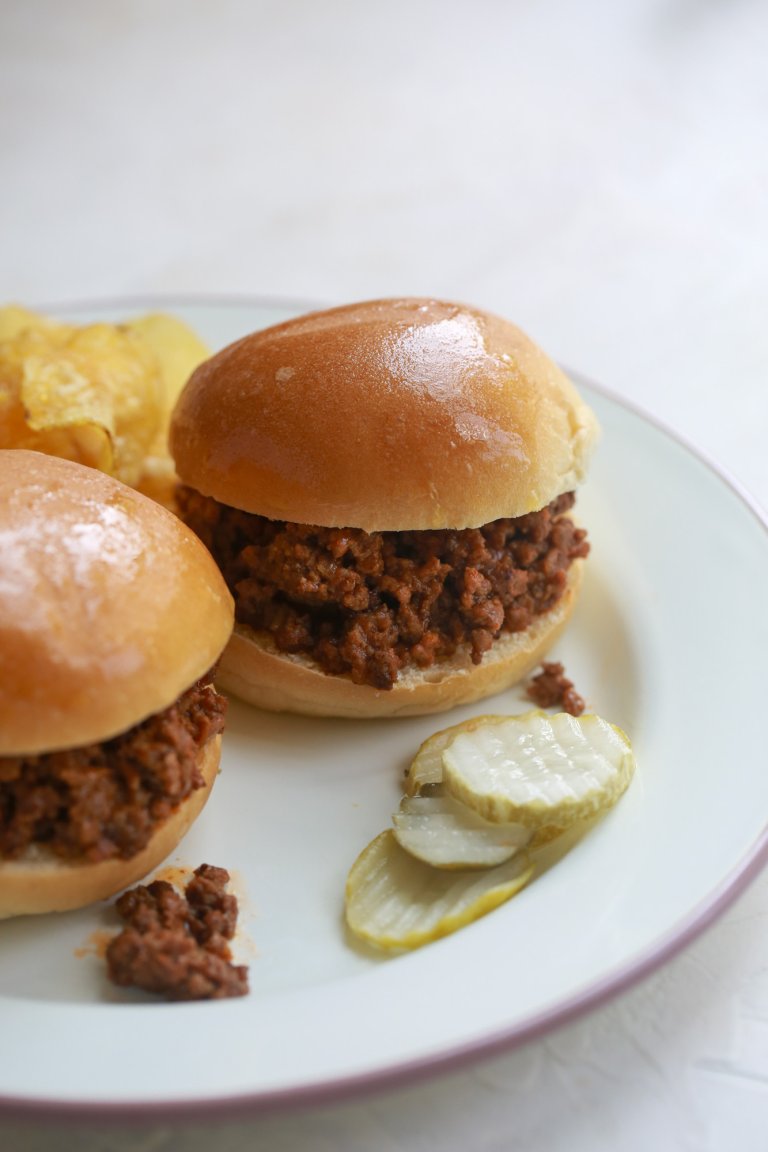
(105, 800)
(551, 688)
(368, 605)
(177, 945)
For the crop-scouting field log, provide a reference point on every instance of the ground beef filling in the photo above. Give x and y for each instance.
(175, 945)
(105, 800)
(370, 604)
(551, 688)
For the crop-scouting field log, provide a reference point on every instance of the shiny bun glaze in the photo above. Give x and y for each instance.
(383, 415)
(110, 607)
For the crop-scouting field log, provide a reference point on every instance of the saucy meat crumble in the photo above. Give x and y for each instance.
(368, 605)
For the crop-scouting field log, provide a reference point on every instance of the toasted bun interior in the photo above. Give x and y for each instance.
(110, 607)
(253, 669)
(41, 882)
(384, 415)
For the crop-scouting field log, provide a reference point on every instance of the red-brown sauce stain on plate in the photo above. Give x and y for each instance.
(244, 945)
(176, 874)
(95, 944)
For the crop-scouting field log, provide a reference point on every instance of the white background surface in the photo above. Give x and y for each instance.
(598, 172)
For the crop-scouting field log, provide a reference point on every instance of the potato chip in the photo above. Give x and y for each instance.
(178, 350)
(92, 394)
(15, 319)
(100, 394)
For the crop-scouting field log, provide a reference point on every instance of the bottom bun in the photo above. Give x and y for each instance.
(252, 668)
(42, 882)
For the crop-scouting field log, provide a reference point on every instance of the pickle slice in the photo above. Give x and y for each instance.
(395, 902)
(445, 833)
(538, 770)
(427, 765)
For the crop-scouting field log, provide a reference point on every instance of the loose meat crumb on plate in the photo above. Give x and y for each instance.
(177, 944)
(551, 689)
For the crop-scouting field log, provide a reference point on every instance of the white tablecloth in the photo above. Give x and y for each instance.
(597, 172)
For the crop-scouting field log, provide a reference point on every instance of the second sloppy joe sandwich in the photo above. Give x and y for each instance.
(386, 488)
(112, 615)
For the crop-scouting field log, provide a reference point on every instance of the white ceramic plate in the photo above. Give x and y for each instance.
(668, 641)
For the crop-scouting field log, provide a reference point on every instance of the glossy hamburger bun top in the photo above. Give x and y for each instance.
(109, 606)
(384, 415)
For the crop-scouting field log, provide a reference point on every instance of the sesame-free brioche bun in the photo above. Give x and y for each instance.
(110, 607)
(110, 610)
(385, 415)
(40, 882)
(253, 669)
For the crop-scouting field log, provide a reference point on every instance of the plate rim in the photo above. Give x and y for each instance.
(339, 1089)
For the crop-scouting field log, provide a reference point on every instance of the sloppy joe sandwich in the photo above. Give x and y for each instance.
(387, 489)
(112, 615)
